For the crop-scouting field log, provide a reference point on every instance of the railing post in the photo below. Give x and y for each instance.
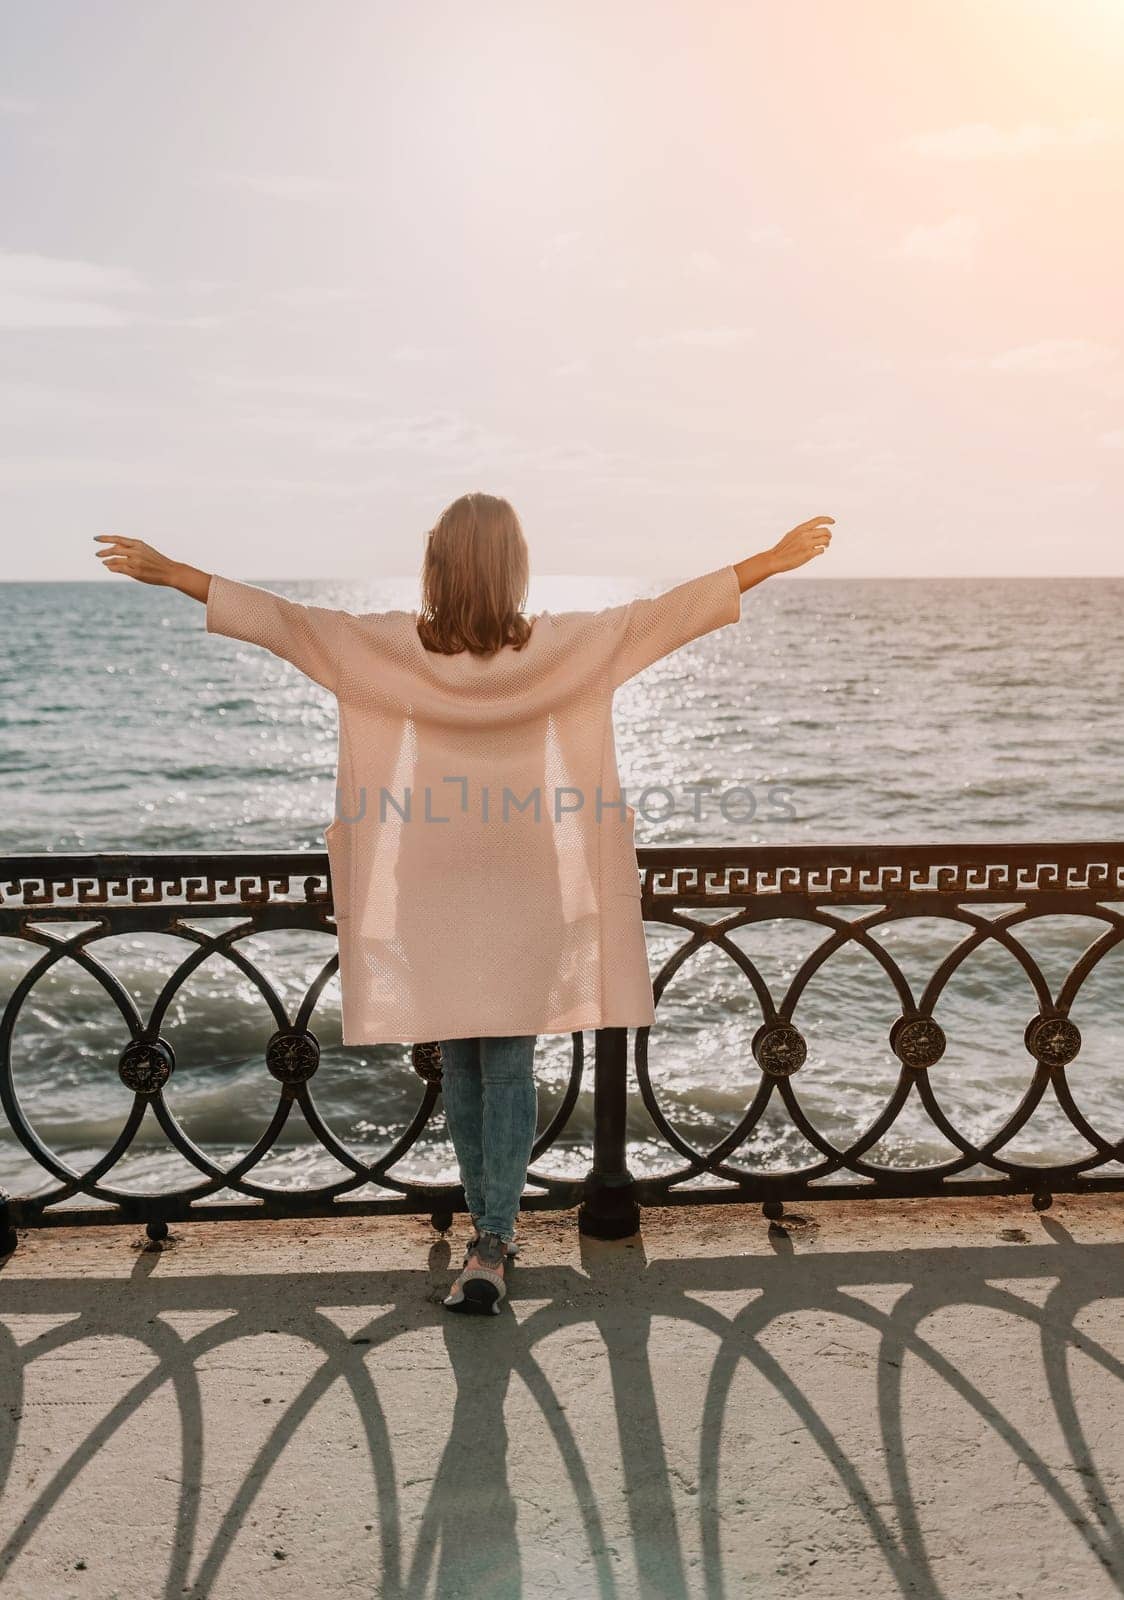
(610, 1209)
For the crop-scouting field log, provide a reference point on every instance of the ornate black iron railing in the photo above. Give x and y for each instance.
(61, 906)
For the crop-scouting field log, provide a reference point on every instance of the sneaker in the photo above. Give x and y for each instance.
(479, 1286)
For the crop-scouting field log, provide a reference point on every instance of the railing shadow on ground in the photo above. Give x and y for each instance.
(652, 1538)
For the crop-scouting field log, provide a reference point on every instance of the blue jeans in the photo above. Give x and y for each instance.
(491, 1107)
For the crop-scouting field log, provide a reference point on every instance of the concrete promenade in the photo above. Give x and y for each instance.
(915, 1398)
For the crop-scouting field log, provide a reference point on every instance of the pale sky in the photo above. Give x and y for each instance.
(278, 280)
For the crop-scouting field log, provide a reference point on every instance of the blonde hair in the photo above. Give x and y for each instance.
(474, 579)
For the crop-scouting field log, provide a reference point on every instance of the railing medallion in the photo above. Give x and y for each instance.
(427, 1061)
(918, 1042)
(145, 1065)
(779, 1049)
(293, 1055)
(1052, 1040)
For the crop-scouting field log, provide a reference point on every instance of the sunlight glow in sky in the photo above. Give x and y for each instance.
(279, 280)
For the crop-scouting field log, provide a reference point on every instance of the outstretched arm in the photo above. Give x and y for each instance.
(801, 544)
(308, 636)
(140, 561)
(647, 629)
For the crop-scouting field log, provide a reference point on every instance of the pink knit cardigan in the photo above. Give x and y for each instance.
(483, 864)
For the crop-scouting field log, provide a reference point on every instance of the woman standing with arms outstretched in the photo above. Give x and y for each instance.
(482, 856)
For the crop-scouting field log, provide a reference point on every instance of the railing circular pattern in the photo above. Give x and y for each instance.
(146, 1063)
(122, 894)
(916, 1038)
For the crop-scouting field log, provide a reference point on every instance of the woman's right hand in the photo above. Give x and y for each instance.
(135, 559)
(140, 561)
(801, 544)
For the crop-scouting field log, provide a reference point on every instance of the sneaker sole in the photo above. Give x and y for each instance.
(480, 1297)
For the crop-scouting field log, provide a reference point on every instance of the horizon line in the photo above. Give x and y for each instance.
(671, 577)
(646, 578)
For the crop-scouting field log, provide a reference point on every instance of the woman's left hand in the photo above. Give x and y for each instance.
(801, 544)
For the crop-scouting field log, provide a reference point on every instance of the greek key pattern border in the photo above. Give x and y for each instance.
(218, 882)
(699, 876)
(875, 874)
